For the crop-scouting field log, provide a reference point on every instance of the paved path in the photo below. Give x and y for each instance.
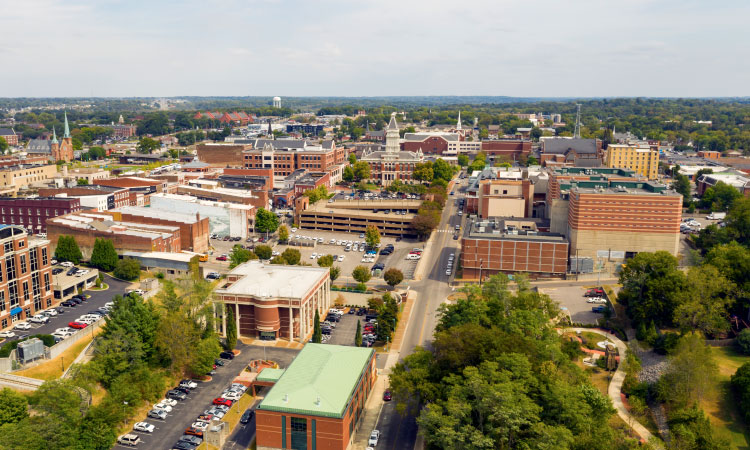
(615, 386)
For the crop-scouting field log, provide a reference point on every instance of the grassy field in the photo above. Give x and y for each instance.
(721, 407)
(54, 368)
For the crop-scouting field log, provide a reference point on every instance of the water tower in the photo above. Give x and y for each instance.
(277, 102)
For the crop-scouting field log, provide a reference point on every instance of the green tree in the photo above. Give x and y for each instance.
(423, 172)
(231, 334)
(361, 171)
(691, 373)
(104, 255)
(127, 269)
(372, 236)
(719, 197)
(463, 160)
(334, 272)
(442, 170)
(358, 335)
(424, 222)
(700, 173)
(239, 255)
(704, 302)
(202, 360)
(393, 276)
(266, 221)
(3, 145)
(652, 284)
(67, 250)
(741, 386)
(348, 174)
(82, 182)
(317, 336)
(361, 274)
(352, 158)
(292, 256)
(148, 145)
(283, 233)
(263, 251)
(743, 341)
(532, 161)
(13, 406)
(325, 261)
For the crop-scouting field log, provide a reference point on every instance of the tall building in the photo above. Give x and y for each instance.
(392, 163)
(25, 275)
(641, 159)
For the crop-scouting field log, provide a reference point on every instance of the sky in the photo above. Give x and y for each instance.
(518, 48)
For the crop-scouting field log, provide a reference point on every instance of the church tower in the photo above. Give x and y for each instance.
(392, 137)
(54, 144)
(458, 123)
(65, 149)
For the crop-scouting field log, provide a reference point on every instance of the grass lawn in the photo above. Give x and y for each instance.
(53, 369)
(721, 407)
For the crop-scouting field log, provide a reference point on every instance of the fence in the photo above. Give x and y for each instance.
(57, 349)
(720, 342)
(18, 382)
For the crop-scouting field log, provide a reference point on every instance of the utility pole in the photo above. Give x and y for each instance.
(577, 132)
(481, 263)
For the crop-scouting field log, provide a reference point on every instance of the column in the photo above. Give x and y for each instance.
(237, 317)
(291, 324)
(223, 319)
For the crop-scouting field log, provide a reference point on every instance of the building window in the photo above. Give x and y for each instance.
(8, 246)
(13, 293)
(23, 264)
(10, 268)
(299, 433)
(34, 258)
(46, 282)
(2, 300)
(283, 431)
(26, 296)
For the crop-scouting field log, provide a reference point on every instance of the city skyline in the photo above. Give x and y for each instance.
(164, 49)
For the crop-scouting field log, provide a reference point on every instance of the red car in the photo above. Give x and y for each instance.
(595, 292)
(221, 258)
(387, 396)
(193, 431)
(222, 401)
(77, 325)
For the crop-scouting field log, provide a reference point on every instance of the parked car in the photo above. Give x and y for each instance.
(182, 445)
(191, 439)
(129, 439)
(72, 271)
(177, 395)
(594, 292)
(7, 334)
(67, 264)
(57, 270)
(22, 326)
(226, 355)
(157, 414)
(69, 303)
(52, 312)
(190, 384)
(199, 425)
(218, 362)
(596, 300)
(144, 427)
(39, 318)
(194, 431)
(374, 437)
(221, 258)
(184, 390)
(387, 396)
(222, 401)
(163, 406)
(598, 309)
(247, 416)
(168, 401)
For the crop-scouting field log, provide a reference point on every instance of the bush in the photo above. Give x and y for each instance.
(666, 342)
(571, 348)
(743, 341)
(128, 269)
(263, 251)
(741, 386)
(361, 287)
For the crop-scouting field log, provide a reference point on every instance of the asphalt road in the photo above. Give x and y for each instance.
(400, 431)
(97, 300)
(168, 431)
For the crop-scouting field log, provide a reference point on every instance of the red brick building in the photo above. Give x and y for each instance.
(511, 149)
(9, 135)
(285, 156)
(32, 213)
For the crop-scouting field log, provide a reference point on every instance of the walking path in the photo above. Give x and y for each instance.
(615, 386)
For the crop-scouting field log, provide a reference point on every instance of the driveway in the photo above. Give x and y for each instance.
(572, 299)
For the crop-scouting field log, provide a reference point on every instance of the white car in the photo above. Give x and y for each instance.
(294, 230)
(22, 326)
(66, 264)
(332, 241)
(39, 318)
(82, 273)
(65, 330)
(341, 258)
(448, 272)
(110, 304)
(168, 401)
(374, 437)
(50, 313)
(144, 427)
(163, 406)
(338, 242)
(200, 425)
(596, 300)
(7, 334)
(313, 256)
(275, 253)
(233, 396)
(62, 336)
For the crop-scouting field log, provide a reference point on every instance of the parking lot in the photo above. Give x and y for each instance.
(346, 329)
(169, 430)
(572, 298)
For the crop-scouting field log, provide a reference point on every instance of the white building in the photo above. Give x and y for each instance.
(225, 219)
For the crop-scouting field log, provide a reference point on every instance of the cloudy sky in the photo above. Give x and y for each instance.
(526, 48)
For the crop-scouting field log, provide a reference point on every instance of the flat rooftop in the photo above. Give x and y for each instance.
(191, 199)
(319, 382)
(168, 256)
(273, 280)
(654, 189)
(510, 229)
(143, 211)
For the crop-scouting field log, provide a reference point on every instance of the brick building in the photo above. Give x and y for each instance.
(511, 246)
(145, 186)
(511, 149)
(32, 213)
(100, 198)
(53, 149)
(505, 198)
(285, 156)
(311, 180)
(9, 135)
(25, 275)
(392, 163)
(274, 301)
(577, 152)
(123, 131)
(222, 154)
(210, 190)
(318, 401)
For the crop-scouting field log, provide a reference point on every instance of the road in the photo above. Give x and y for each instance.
(397, 431)
(97, 300)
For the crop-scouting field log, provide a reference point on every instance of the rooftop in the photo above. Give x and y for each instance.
(157, 214)
(510, 229)
(170, 256)
(319, 382)
(622, 188)
(275, 281)
(270, 374)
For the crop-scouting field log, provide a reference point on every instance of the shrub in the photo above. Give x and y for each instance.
(743, 341)
(128, 269)
(665, 343)
(361, 287)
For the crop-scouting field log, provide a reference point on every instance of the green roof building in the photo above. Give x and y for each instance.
(318, 400)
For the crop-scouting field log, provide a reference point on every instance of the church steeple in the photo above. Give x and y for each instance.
(67, 128)
(458, 122)
(54, 135)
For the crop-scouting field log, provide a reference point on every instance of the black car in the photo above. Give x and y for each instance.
(379, 266)
(175, 394)
(247, 416)
(57, 270)
(325, 330)
(72, 271)
(219, 362)
(455, 237)
(351, 310)
(182, 389)
(184, 445)
(69, 303)
(398, 239)
(226, 355)
(59, 310)
(77, 301)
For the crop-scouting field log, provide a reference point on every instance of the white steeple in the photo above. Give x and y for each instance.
(392, 137)
(458, 122)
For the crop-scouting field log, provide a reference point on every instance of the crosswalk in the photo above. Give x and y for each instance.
(445, 230)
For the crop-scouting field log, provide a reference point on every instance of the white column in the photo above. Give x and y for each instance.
(223, 319)
(291, 324)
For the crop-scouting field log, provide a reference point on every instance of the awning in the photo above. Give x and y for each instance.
(16, 310)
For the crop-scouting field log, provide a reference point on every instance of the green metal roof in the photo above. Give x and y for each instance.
(270, 374)
(319, 382)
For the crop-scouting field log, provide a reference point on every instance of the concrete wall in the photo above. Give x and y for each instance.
(557, 212)
(585, 243)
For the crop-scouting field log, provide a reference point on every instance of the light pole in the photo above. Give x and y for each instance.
(481, 263)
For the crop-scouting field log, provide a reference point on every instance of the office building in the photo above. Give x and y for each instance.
(32, 213)
(641, 159)
(194, 228)
(274, 301)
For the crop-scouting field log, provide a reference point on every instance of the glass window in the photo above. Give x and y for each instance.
(23, 264)
(10, 268)
(44, 256)
(13, 293)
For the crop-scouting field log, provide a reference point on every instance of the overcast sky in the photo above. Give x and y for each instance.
(524, 48)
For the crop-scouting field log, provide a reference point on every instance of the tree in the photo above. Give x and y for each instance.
(352, 158)
(104, 255)
(691, 373)
(393, 276)
(651, 284)
(263, 251)
(361, 171)
(704, 302)
(720, 197)
(463, 160)
(361, 274)
(266, 221)
(348, 174)
(702, 172)
(424, 223)
(442, 170)
(3, 145)
(317, 336)
(358, 335)
(334, 272)
(231, 340)
(283, 233)
(423, 172)
(740, 385)
(82, 182)
(127, 269)
(325, 261)
(239, 255)
(292, 256)
(532, 161)
(743, 341)
(67, 250)
(372, 236)
(148, 145)
(206, 351)
(13, 406)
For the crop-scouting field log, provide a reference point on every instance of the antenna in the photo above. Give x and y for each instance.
(577, 132)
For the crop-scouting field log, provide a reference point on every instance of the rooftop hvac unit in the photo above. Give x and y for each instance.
(30, 350)
(481, 229)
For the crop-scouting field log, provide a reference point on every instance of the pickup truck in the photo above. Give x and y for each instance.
(717, 216)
